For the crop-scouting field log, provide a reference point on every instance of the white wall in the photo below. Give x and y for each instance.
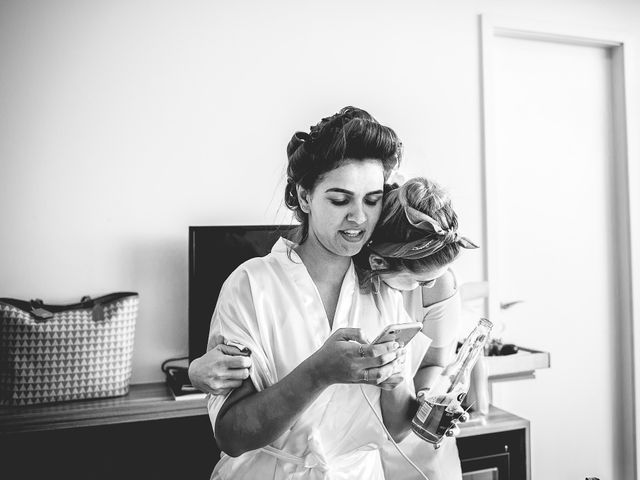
(122, 123)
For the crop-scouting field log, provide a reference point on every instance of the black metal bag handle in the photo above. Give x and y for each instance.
(88, 301)
(39, 312)
(97, 312)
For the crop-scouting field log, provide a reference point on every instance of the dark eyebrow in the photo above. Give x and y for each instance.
(339, 190)
(349, 192)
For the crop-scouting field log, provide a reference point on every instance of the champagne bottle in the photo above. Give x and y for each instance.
(441, 407)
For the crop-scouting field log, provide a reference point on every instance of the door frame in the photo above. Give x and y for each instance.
(626, 118)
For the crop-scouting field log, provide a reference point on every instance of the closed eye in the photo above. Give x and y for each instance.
(372, 199)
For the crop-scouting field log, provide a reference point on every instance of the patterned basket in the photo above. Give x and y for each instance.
(57, 353)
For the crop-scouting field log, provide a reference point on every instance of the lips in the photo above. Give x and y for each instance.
(352, 235)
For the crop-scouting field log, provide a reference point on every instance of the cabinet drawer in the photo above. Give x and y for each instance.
(485, 474)
(488, 467)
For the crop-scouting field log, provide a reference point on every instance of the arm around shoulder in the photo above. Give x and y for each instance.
(220, 370)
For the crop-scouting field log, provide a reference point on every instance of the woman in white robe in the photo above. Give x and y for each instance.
(337, 435)
(309, 408)
(438, 308)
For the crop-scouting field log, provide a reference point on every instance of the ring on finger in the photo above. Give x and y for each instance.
(361, 350)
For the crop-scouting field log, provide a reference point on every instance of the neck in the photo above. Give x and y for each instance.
(323, 266)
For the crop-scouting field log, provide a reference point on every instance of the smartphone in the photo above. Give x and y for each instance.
(398, 332)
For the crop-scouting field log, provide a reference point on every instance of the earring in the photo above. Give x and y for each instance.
(375, 284)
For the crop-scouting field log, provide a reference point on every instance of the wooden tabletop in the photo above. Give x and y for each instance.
(153, 401)
(147, 401)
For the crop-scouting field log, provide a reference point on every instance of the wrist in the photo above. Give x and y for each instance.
(193, 373)
(315, 377)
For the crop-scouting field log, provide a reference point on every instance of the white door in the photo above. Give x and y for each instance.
(554, 215)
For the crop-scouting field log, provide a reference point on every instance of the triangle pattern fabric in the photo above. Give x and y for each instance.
(76, 354)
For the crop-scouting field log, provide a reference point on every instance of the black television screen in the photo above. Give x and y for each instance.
(215, 252)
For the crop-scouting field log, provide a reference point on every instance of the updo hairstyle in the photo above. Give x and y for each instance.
(350, 134)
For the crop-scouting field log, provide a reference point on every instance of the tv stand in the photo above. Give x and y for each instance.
(148, 434)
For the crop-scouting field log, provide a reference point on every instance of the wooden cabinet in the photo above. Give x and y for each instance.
(176, 448)
(147, 434)
(495, 447)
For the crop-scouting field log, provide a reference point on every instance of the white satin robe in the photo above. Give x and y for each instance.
(271, 305)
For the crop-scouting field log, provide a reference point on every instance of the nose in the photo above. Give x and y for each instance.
(357, 214)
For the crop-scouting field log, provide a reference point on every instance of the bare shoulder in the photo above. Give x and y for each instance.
(445, 287)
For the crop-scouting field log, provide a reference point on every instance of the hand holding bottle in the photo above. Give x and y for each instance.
(443, 406)
(460, 416)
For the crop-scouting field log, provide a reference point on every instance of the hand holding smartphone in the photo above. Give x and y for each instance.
(398, 332)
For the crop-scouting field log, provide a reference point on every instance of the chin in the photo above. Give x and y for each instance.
(352, 250)
(348, 249)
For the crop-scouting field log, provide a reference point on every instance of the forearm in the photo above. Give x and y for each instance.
(425, 377)
(434, 361)
(257, 419)
(398, 407)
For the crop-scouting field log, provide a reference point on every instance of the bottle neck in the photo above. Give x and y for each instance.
(471, 349)
(462, 373)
